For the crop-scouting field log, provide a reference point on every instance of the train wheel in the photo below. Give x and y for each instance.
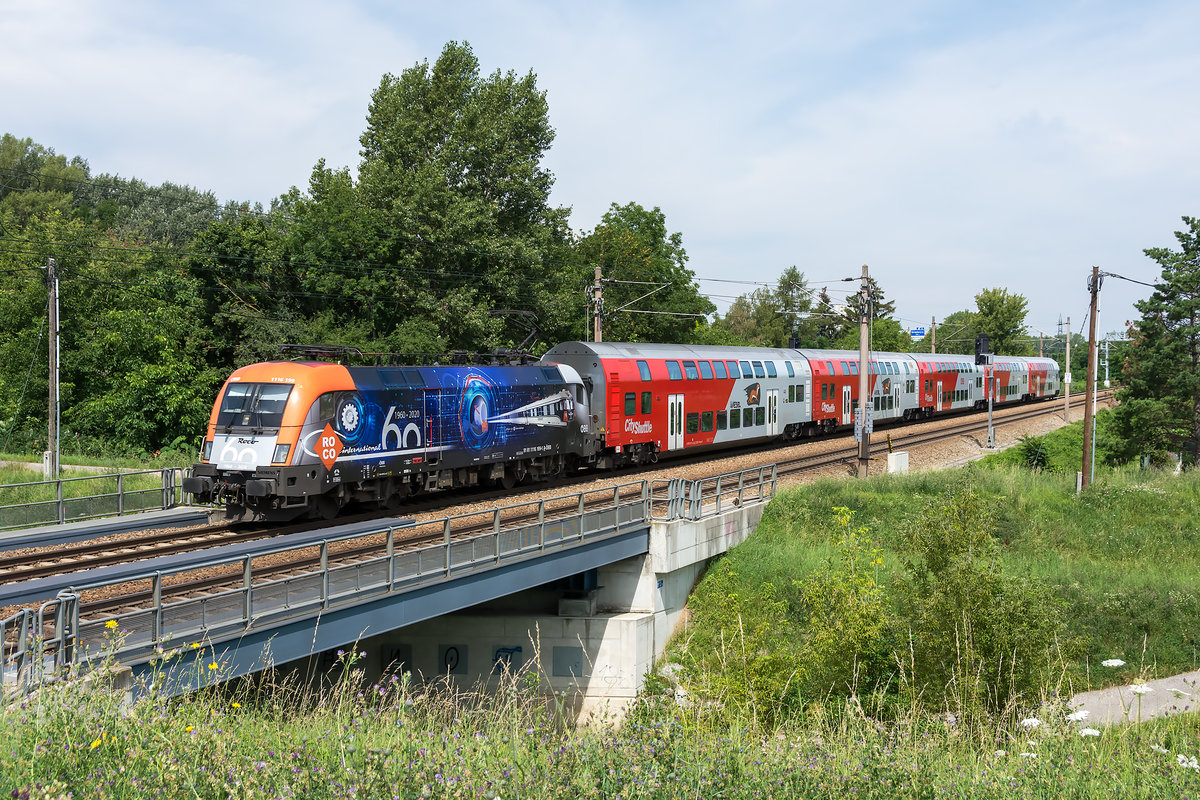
(509, 480)
(327, 506)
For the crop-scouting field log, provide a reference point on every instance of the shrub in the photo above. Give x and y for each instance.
(849, 631)
(977, 638)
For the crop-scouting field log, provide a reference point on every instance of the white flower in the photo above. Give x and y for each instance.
(1000, 754)
(1180, 692)
(1079, 716)
(1030, 722)
(1188, 763)
(1112, 662)
(1141, 688)
(1088, 732)
(1158, 749)
(1028, 755)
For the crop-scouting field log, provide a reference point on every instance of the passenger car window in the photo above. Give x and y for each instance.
(630, 404)
(719, 368)
(771, 373)
(644, 369)
(673, 371)
(705, 370)
(693, 422)
(645, 402)
(758, 369)
(733, 369)
(689, 369)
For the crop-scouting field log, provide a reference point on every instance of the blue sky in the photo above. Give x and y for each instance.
(952, 146)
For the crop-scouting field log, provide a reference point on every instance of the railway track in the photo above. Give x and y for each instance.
(31, 565)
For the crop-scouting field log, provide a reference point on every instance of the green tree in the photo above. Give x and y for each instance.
(769, 317)
(1001, 317)
(638, 257)
(1159, 407)
(450, 218)
(34, 180)
(886, 333)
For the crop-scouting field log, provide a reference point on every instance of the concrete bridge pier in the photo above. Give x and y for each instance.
(591, 639)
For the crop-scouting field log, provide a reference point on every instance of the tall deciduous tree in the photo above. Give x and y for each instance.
(638, 257)
(1001, 317)
(1159, 408)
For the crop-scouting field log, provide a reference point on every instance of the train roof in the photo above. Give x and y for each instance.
(656, 350)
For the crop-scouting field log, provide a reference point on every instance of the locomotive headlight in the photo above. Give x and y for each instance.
(281, 453)
(207, 452)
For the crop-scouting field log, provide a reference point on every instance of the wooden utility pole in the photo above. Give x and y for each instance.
(933, 335)
(1067, 376)
(598, 307)
(1090, 389)
(52, 438)
(864, 368)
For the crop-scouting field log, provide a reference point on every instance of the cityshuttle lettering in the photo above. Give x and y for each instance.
(639, 428)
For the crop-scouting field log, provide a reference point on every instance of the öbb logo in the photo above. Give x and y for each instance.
(330, 447)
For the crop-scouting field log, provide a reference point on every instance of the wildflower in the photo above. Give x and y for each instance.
(1159, 749)
(1179, 692)
(112, 623)
(96, 743)
(1078, 716)
(188, 729)
(1188, 763)
(236, 704)
(1000, 754)
(1030, 722)
(213, 665)
(1028, 755)
(1141, 688)
(1112, 662)
(1088, 732)
(195, 645)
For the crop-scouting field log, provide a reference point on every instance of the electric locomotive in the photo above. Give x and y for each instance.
(287, 439)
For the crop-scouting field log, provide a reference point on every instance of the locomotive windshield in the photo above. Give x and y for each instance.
(255, 405)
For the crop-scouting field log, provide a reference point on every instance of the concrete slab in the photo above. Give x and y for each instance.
(1118, 705)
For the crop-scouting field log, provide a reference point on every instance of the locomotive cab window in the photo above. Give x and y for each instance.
(705, 370)
(644, 370)
(673, 371)
(257, 405)
(551, 374)
(719, 369)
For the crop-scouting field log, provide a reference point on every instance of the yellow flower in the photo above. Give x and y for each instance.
(236, 705)
(195, 645)
(95, 744)
(213, 665)
(112, 623)
(188, 729)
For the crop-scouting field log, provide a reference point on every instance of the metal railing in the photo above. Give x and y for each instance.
(35, 645)
(693, 500)
(89, 497)
(386, 567)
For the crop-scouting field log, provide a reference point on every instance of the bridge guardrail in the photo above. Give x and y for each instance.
(677, 498)
(31, 643)
(89, 497)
